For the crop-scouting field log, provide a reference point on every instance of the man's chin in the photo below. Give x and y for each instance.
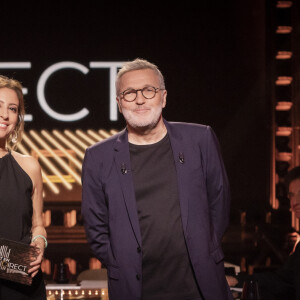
(143, 125)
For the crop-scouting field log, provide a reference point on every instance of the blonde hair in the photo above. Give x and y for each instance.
(138, 64)
(16, 136)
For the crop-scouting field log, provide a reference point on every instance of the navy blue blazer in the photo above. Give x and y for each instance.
(111, 219)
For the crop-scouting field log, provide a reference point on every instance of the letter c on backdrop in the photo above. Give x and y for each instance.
(41, 91)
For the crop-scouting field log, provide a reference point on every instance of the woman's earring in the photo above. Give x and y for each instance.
(15, 137)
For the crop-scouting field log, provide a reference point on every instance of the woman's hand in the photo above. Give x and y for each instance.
(232, 281)
(36, 263)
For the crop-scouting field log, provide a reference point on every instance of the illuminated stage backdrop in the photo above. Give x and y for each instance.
(67, 92)
(66, 54)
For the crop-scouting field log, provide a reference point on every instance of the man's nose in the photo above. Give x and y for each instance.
(140, 99)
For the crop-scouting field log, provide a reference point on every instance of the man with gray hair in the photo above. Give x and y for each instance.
(156, 199)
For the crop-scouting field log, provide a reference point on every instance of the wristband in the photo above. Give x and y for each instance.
(40, 236)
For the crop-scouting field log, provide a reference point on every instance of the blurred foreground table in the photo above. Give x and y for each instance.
(87, 290)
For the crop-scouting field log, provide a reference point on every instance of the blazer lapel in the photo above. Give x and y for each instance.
(123, 167)
(181, 168)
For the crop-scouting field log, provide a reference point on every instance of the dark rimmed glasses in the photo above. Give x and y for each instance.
(148, 92)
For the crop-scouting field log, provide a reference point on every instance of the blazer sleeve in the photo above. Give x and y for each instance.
(94, 208)
(217, 184)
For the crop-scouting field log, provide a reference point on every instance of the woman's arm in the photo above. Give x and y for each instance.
(39, 235)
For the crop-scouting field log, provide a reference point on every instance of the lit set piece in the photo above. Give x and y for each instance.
(113, 131)
(75, 161)
(75, 139)
(94, 135)
(85, 137)
(45, 177)
(70, 145)
(46, 161)
(104, 133)
(60, 161)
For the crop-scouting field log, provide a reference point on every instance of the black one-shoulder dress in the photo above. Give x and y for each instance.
(16, 222)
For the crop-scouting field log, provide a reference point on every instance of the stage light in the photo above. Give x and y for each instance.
(46, 161)
(104, 133)
(95, 135)
(76, 162)
(113, 131)
(85, 137)
(45, 177)
(70, 145)
(74, 138)
(60, 161)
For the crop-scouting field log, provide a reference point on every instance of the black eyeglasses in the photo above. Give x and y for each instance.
(148, 92)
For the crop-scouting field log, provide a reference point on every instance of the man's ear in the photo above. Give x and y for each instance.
(164, 98)
(119, 104)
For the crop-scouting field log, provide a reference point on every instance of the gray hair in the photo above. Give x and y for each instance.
(139, 64)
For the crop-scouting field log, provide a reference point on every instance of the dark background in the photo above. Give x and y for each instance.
(214, 56)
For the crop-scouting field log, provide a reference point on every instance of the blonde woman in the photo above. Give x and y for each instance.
(21, 202)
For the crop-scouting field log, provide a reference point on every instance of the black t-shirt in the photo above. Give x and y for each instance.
(166, 269)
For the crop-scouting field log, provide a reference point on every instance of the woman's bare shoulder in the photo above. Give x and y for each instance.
(28, 163)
